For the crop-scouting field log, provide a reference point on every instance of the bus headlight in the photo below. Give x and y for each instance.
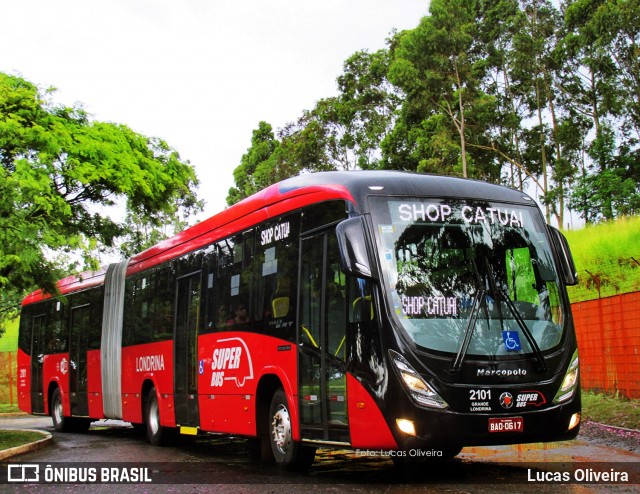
(418, 388)
(570, 381)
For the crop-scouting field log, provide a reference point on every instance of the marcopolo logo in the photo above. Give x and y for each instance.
(500, 372)
(231, 361)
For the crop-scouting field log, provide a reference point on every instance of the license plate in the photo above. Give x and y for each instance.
(506, 424)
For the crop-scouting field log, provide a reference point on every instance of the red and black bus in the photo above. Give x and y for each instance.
(364, 310)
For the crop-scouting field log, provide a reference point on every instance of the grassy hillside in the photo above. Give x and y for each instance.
(607, 256)
(9, 339)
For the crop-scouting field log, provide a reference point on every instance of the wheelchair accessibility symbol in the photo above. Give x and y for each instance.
(511, 340)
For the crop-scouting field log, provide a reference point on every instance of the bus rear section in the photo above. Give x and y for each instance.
(59, 358)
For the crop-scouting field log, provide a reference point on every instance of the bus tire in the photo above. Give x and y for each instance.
(60, 422)
(157, 435)
(286, 452)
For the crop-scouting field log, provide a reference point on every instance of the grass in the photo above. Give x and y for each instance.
(7, 408)
(9, 335)
(612, 239)
(611, 410)
(604, 256)
(11, 439)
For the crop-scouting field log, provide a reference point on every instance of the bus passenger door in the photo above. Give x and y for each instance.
(322, 345)
(37, 359)
(185, 350)
(78, 360)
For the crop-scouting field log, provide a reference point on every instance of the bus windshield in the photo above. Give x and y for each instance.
(470, 278)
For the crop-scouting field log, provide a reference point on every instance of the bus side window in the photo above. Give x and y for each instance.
(55, 334)
(233, 293)
(163, 303)
(223, 283)
(360, 302)
(95, 327)
(275, 272)
(136, 328)
(26, 329)
(364, 350)
(210, 266)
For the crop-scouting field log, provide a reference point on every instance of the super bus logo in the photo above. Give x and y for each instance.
(231, 361)
(526, 398)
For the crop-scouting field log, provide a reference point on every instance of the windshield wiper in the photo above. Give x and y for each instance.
(526, 331)
(499, 293)
(468, 332)
(478, 300)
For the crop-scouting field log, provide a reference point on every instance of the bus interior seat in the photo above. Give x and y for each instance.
(280, 306)
(360, 307)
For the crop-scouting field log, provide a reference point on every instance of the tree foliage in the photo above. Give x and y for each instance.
(440, 68)
(536, 94)
(340, 133)
(62, 175)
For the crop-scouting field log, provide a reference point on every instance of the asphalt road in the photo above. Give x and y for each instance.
(211, 463)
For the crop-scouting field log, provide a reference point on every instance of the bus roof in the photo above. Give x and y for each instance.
(291, 194)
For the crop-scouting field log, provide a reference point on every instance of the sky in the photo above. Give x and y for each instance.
(200, 74)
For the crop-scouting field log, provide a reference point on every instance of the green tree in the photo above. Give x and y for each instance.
(519, 91)
(343, 132)
(62, 174)
(499, 24)
(534, 72)
(440, 67)
(602, 39)
(256, 166)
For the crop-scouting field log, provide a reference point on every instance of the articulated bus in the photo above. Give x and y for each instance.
(364, 310)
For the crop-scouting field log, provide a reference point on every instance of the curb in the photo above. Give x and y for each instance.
(26, 448)
(615, 427)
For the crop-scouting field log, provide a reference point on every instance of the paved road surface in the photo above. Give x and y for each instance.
(221, 462)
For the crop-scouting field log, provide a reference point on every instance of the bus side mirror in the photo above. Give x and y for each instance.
(566, 259)
(353, 247)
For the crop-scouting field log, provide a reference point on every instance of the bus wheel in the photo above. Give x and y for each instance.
(286, 451)
(60, 422)
(156, 434)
